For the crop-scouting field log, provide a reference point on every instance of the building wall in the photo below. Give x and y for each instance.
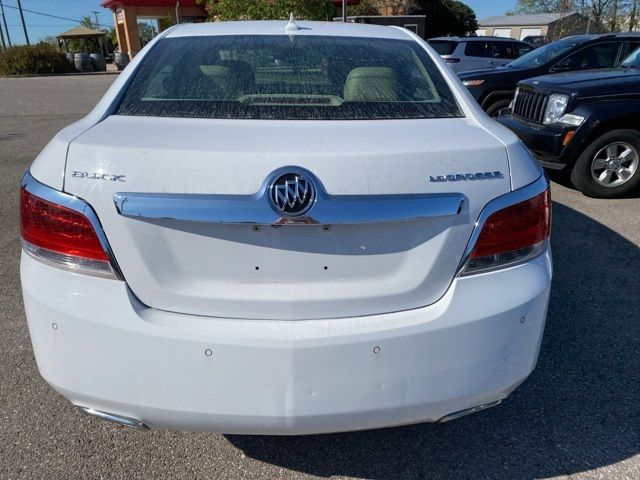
(574, 24)
(516, 30)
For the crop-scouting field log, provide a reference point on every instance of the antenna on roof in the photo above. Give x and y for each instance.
(291, 26)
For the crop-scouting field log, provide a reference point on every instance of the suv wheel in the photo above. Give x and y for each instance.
(493, 109)
(610, 166)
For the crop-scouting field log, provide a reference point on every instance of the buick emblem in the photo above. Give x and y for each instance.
(292, 194)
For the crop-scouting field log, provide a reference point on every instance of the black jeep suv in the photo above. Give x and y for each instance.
(494, 88)
(584, 123)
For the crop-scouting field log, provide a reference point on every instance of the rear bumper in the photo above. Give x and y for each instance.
(102, 349)
(545, 142)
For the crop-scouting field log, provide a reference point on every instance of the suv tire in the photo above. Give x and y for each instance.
(493, 109)
(609, 167)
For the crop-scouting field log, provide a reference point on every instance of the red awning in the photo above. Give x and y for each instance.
(147, 3)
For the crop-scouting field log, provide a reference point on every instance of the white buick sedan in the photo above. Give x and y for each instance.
(285, 228)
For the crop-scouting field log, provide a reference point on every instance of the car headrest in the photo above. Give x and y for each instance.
(371, 84)
(234, 77)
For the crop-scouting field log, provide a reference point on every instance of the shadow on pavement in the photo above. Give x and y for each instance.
(579, 410)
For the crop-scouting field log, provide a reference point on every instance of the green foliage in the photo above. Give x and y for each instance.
(268, 9)
(446, 17)
(112, 38)
(36, 59)
(167, 22)
(87, 22)
(51, 40)
(146, 33)
(365, 7)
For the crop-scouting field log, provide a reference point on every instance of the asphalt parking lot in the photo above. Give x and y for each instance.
(578, 416)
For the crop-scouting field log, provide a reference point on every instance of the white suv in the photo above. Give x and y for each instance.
(281, 228)
(477, 53)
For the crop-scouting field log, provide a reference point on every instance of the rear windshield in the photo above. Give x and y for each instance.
(443, 47)
(288, 77)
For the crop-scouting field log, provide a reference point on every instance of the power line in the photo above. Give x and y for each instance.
(50, 15)
(36, 25)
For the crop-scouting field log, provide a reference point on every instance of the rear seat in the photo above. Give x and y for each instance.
(371, 84)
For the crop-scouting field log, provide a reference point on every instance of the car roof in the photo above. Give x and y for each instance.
(277, 27)
(475, 39)
(601, 36)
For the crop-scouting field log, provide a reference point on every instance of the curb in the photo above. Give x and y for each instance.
(72, 74)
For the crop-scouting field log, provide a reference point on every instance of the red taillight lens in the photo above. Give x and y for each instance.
(512, 235)
(521, 225)
(58, 229)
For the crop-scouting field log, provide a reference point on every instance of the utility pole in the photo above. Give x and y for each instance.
(95, 12)
(24, 25)
(344, 10)
(4, 45)
(4, 20)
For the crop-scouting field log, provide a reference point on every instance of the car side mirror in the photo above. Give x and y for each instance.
(562, 66)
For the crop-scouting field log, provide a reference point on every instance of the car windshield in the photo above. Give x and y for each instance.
(288, 77)
(633, 60)
(547, 53)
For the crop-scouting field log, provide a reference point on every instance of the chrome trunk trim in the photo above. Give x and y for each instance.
(256, 209)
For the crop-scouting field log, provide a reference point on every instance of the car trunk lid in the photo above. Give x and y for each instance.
(177, 255)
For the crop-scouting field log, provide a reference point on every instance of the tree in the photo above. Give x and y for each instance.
(546, 6)
(50, 40)
(365, 7)
(633, 15)
(112, 38)
(146, 33)
(605, 15)
(446, 17)
(267, 9)
(87, 22)
(598, 10)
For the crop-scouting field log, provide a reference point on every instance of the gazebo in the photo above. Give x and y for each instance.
(82, 32)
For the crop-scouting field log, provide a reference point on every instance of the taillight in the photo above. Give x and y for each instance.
(512, 235)
(61, 236)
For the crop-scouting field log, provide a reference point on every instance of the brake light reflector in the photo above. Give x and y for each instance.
(57, 228)
(512, 235)
(61, 236)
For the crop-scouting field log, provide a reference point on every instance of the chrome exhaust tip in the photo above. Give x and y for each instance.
(468, 411)
(112, 417)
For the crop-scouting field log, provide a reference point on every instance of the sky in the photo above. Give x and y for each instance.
(39, 26)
